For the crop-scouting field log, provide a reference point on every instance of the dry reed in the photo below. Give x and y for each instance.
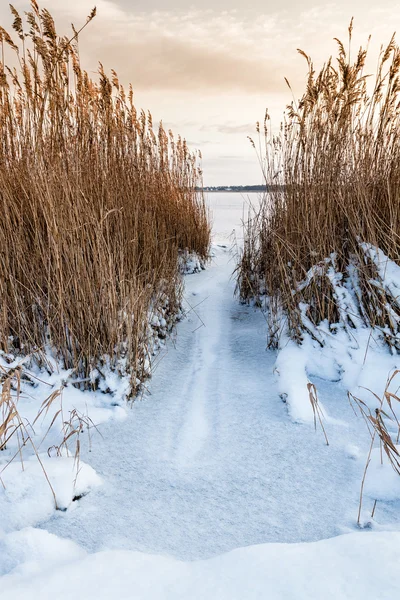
(377, 423)
(333, 172)
(13, 425)
(95, 207)
(317, 412)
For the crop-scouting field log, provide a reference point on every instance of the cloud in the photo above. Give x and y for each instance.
(197, 50)
(191, 52)
(200, 143)
(232, 157)
(208, 50)
(230, 128)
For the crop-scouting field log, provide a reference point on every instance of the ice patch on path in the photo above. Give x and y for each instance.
(337, 569)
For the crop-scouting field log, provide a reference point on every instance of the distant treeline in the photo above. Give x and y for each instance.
(234, 188)
(240, 188)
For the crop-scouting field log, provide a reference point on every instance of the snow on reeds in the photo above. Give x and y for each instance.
(328, 230)
(95, 207)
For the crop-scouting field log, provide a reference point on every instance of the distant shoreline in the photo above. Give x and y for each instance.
(250, 188)
(232, 191)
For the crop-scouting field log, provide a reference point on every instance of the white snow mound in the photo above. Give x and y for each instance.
(337, 569)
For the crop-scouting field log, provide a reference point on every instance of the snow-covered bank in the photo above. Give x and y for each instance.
(349, 567)
(364, 359)
(354, 350)
(362, 365)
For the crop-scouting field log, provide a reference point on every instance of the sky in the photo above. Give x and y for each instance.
(209, 70)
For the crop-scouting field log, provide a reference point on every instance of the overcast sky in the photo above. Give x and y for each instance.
(210, 70)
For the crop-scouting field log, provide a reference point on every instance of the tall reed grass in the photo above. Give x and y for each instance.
(333, 172)
(95, 206)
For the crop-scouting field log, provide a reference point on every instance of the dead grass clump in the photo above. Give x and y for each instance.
(13, 426)
(379, 422)
(20, 439)
(317, 412)
(95, 206)
(333, 173)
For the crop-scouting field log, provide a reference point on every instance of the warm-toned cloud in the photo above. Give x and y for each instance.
(205, 50)
(230, 128)
(200, 143)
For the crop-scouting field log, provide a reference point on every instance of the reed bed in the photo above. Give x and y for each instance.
(333, 174)
(96, 206)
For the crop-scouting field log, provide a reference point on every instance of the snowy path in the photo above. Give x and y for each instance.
(210, 461)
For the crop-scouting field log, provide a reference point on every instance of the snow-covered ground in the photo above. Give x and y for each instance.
(210, 488)
(357, 566)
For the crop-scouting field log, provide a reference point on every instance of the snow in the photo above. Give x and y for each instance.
(209, 485)
(27, 498)
(190, 263)
(388, 271)
(382, 482)
(29, 552)
(347, 351)
(361, 362)
(360, 566)
(291, 365)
